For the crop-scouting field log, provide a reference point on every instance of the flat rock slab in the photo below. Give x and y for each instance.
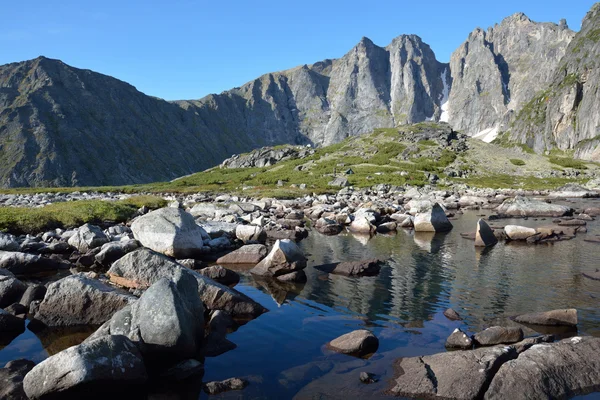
(248, 254)
(352, 268)
(550, 371)
(566, 317)
(452, 375)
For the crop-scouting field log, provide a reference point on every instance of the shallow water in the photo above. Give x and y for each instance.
(282, 352)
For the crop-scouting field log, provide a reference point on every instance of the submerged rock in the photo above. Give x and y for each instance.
(525, 207)
(170, 231)
(359, 343)
(452, 315)
(216, 387)
(434, 220)
(566, 317)
(484, 235)
(79, 300)
(352, 268)
(105, 367)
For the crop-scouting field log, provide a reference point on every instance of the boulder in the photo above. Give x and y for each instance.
(250, 233)
(216, 229)
(248, 254)
(141, 268)
(216, 387)
(11, 379)
(434, 220)
(293, 277)
(79, 300)
(525, 207)
(459, 340)
(359, 343)
(339, 181)
(352, 268)
(11, 290)
(88, 237)
(170, 231)
(452, 375)
(362, 225)
(498, 335)
(111, 252)
(222, 275)
(167, 323)
(550, 371)
(566, 317)
(484, 235)
(8, 242)
(328, 226)
(387, 227)
(105, 367)
(285, 257)
(23, 264)
(33, 293)
(516, 232)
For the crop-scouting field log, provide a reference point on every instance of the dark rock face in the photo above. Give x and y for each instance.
(222, 275)
(9, 324)
(484, 235)
(352, 268)
(216, 387)
(550, 371)
(111, 365)
(78, 300)
(11, 379)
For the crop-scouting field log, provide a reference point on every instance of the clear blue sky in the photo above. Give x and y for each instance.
(188, 49)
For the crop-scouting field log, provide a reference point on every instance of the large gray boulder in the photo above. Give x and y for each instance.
(88, 237)
(170, 231)
(566, 317)
(484, 235)
(498, 335)
(79, 300)
(111, 252)
(248, 254)
(106, 367)
(434, 220)
(166, 323)
(250, 233)
(550, 371)
(142, 267)
(8, 242)
(525, 207)
(285, 258)
(11, 290)
(453, 375)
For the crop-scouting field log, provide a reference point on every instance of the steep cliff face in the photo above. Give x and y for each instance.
(497, 71)
(565, 114)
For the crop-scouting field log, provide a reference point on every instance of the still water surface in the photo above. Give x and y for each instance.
(282, 352)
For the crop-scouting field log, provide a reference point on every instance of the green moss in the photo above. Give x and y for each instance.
(567, 162)
(517, 161)
(427, 143)
(386, 152)
(503, 139)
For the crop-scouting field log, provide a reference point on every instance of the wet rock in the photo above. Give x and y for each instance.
(387, 227)
(216, 387)
(9, 323)
(24, 264)
(17, 309)
(248, 254)
(498, 335)
(141, 268)
(516, 232)
(432, 221)
(328, 226)
(567, 317)
(550, 371)
(222, 275)
(11, 379)
(79, 300)
(111, 252)
(250, 233)
(293, 277)
(526, 344)
(525, 207)
(452, 375)
(484, 235)
(183, 370)
(352, 268)
(166, 323)
(170, 231)
(359, 343)
(367, 378)
(104, 367)
(11, 290)
(452, 315)
(285, 257)
(88, 237)
(459, 340)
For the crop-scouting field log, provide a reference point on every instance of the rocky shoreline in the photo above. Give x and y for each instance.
(161, 298)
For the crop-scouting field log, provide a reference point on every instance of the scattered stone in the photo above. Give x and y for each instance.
(107, 366)
(216, 387)
(8, 242)
(170, 231)
(367, 378)
(248, 254)
(452, 315)
(88, 237)
(352, 268)
(250, 233)
(112, 251)
(498, 335)
(484, 235)
(567, 317)
(222, 275)
(516, 232)
(358, 343)
(434, 220)
(285, 257)
(362, 225)
(459, 340)
(328, 226)
(79, 300)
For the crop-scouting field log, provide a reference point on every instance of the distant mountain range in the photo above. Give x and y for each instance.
(520, 81)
